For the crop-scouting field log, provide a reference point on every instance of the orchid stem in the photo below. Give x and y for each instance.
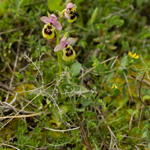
(59, 54)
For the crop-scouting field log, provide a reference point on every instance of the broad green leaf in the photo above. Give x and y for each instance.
(54, 5)
(75, 69)
(109, 76)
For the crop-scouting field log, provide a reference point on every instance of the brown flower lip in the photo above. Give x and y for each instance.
(69, 53)
(47, 31)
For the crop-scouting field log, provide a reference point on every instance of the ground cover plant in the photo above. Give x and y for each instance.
(74, 75)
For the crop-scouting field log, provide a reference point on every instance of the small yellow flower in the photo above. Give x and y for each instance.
(129, 54)
(94, 64)
(48, 31)
(135, 56)
(114, 86)
(68, 53)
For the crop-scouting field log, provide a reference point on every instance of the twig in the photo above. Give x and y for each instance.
(56, 130)
(140, 93)
(10, 146)
(94, 66)
(36, 67)
(12, 30)
(14, 99)
(140, 117)
(15, 65)
(20, 110)
(4, 87)
(131, 119)
(128, 85)
(22, 116)
(118, 12)
(110, 131)
(145, 81)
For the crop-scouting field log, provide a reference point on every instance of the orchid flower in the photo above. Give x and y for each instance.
(71, 12)
(50, 26)
(68, 52)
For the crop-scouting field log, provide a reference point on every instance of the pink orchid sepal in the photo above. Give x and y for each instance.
(53, 20)
(64, 42)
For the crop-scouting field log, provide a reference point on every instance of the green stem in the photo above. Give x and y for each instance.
(59, 58)
(59, 54)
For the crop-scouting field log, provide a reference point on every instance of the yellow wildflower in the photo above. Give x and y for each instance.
(135, 56)
(114, 86)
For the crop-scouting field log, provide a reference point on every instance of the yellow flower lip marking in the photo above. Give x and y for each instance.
(48, 31)
(135, 56)
(114, 86)
(72, 14)
(68, 53)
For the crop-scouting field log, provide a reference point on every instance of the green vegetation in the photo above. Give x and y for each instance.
(98, 101)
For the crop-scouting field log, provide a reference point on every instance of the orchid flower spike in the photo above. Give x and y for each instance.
(68, 52)
(71, 12)
(50, 26)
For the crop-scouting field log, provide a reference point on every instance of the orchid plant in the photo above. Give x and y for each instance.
(71, 12)
(50, 26)
(68, 52)
(51, 30)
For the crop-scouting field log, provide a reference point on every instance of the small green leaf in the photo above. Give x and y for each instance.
(85, 102)
(99, 67)
(119, 22)
(80, 109)
(124, 62)
(75, 69)
(109, 76)
(144, 135)
(100, 26)
(94, 15)
(115, 21)
(136, 130)
(148, 145)
(125, 45)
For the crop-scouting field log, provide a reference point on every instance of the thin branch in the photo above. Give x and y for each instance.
(10, 146)
(140, 93)
(111, 132)
(12, 30)
(15, 65)
(94, 66)
(20, 110)
(56, 130)
(22, 116)
(128, 85)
